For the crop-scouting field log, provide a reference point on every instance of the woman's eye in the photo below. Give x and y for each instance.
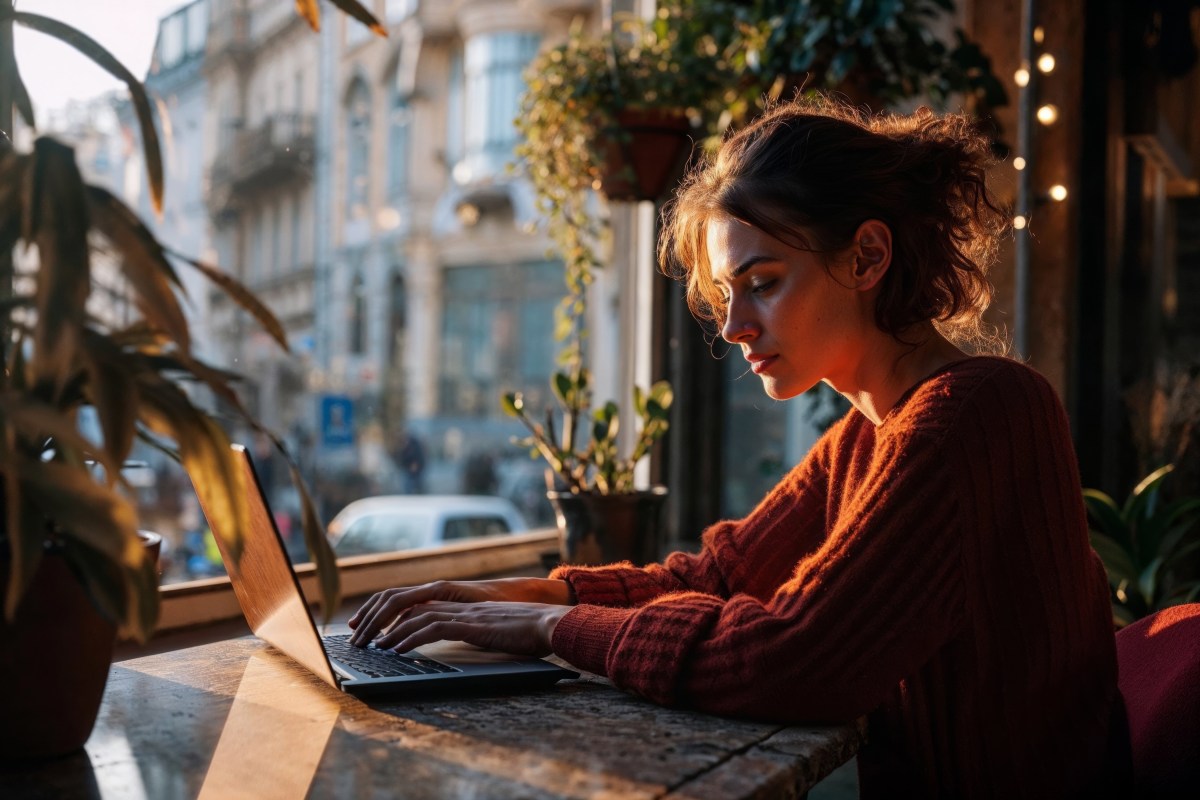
(759, 288)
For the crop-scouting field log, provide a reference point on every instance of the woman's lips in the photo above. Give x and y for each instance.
(761, 365)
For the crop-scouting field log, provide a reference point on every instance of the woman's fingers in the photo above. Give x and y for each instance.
(524, 628)
(382, 609)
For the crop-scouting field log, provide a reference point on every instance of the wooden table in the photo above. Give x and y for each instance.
(238, 719)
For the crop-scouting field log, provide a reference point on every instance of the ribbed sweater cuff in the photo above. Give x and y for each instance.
(596, 585)
(586, 633)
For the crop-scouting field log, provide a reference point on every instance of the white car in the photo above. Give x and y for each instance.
(411, 522)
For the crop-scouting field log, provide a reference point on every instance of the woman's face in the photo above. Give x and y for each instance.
(797, 321)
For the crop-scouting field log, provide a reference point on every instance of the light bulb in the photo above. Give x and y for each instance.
(1039, 34)
(1046, 63)
(1018, 163)
(1058, 192)
(1048, 114)
(1021, 77)
(1019, 223)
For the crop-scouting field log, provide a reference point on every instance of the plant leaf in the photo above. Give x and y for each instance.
(58, 225)
(309, 10)
(137, 93)
(205, 452)
(113, 392)
(1145, 491)
(318, 548)
(145, 264)
(1117, 562)
(38, 421)
(355, 9)
(1107, 514)
(20, 94)
(242, 296)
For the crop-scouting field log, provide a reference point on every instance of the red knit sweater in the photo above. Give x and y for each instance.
(933, 572)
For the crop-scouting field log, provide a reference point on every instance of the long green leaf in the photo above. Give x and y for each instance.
(242, 296)
(1106, 512)
(1145, 492)
(59, 225)
(1117, 562)
(145, 264)
(38, 421)
(137, 93)
(1147, 581)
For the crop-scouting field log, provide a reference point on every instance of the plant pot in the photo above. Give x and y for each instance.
(605, 528)
(54, 661)
(645, 154)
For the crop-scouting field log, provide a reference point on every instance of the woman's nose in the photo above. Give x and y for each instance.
(737, 328)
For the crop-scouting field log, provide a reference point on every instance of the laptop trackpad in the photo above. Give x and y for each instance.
(455, 653)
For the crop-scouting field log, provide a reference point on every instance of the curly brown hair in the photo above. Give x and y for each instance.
(810, 171)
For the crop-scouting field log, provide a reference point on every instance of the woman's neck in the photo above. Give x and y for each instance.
(890, 367)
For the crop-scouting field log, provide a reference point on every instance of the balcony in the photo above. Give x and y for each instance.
(278, 152)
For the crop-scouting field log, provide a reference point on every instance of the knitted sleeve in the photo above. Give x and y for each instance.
(754, 555)
(882, 592)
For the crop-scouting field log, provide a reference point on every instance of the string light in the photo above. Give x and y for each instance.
(1048, 114)
(1018, 163)
(1058, 192)
(1039, 34)
(1021, 77)
(1019, 223)
(1045, 63)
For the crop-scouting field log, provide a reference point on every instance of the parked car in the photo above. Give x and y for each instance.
(410, 522)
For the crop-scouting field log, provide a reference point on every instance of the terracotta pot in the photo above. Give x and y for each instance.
(54, 661)
(645, 155)
(602, 529)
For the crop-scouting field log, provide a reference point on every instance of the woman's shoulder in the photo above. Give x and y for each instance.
(974, 390)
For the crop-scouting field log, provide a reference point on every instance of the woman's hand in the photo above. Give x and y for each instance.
(524, 628)
(384, 608)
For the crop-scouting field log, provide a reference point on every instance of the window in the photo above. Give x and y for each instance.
(276, 237)
(497, 335)
(399, 118)
(295, 234)
(170, 42)
(358, 315)
(454, 110)
(397, 319)
(358, 148)
(197, 28)
(473, 527)
(494, 64)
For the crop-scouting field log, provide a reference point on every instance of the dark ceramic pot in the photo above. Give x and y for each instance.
(54, 660)
(602, 529)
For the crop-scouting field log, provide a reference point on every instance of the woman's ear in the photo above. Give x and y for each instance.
(871, 254)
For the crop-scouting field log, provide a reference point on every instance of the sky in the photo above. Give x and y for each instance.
(55, 74)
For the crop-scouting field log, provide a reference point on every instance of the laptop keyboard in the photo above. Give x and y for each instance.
(379, 663)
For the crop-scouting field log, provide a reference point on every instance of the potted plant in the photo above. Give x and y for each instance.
(1150, 548)
(73, 571)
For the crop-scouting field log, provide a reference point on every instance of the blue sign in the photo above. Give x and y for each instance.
(337, 420)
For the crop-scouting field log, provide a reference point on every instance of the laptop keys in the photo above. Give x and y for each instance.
(378, 663)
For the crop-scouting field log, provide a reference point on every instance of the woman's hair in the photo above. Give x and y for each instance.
(810, 171)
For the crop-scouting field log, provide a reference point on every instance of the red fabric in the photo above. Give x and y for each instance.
(933, 572)
(1159, 657)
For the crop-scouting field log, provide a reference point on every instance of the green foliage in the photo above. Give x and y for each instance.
(60, 491)
(1150, 549)
(598, 466)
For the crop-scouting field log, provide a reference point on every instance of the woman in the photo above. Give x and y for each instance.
(927, 564)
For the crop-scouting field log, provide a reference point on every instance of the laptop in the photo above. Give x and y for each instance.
(269, 593)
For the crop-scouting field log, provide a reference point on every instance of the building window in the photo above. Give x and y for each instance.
(358, 147)
(399, 119)
(454, 109)
(497, 335)
(494, 64)
(295, 233)
(398, 10)
(358, 315)
(397, 319)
